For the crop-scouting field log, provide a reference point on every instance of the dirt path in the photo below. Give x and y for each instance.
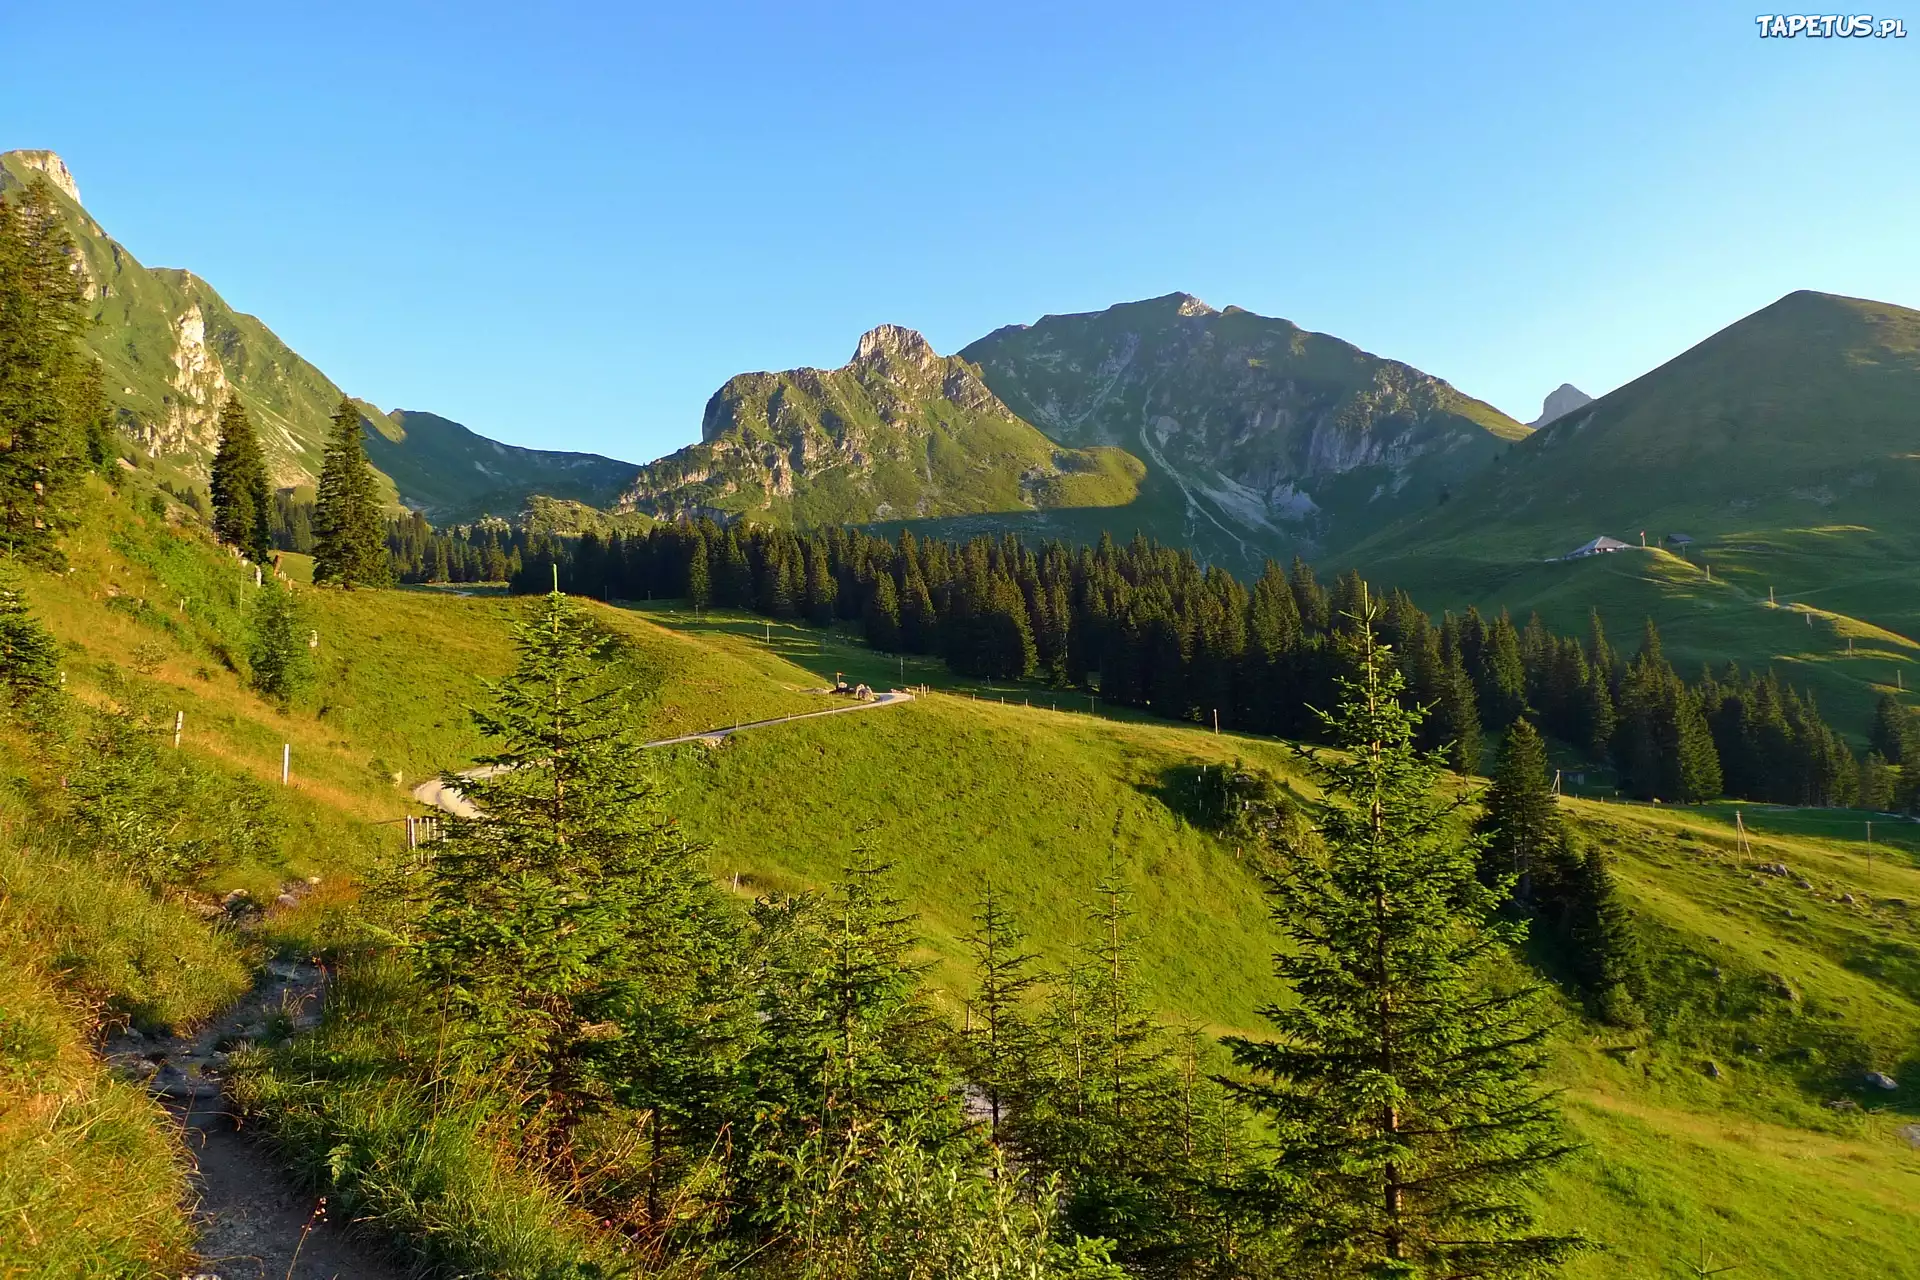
(254, 1223)
(436, 794)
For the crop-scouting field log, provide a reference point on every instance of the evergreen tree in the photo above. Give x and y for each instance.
(883, 614)
(1599, 934)
(1876, 787)
(1896, 732)
(277, 650)
(52, 409)
(348, 548)
(1456, 711)
(998, 1041)
(1401, 1085)
(699, 583)
(1519, 823)
(570, 923)
(242, 504)
(29, 656)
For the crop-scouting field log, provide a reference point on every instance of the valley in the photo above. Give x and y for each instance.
(1160, 898)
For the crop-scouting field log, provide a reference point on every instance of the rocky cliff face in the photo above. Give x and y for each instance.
(898, 432)
(51, 165)
(1562, 400)
(172, 352)
(1269, 431)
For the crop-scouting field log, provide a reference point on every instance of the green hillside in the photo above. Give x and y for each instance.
(899, 432)
(172, 351)
(1786, 446)
(1788, 989)
(452, 474)
(1266, 438)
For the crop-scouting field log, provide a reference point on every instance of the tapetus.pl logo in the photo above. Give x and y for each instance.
(1829, 26)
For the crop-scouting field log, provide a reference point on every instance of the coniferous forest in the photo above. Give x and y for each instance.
(1148, 626)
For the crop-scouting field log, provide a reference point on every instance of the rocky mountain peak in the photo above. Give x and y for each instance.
(1562, 400)
(1188, 305)
(53, 166)
(894, 342)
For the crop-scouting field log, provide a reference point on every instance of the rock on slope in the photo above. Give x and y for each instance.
(898, 432)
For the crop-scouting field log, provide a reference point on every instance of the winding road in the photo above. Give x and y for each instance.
(436, 794)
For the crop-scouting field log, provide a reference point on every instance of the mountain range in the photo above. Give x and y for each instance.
(1777, 460)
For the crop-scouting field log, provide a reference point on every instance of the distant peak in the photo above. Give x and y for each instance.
(896, 342)
(1181, 304)
(53, 166)
(1562, 400)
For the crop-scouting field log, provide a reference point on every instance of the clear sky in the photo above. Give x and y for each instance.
(567, 224)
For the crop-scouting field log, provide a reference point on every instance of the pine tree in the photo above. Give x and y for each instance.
(1519, 823)
(883, 614)
(570, 923)
(52, 408)
(277, 650)
(349, 543)
(1896, 732)
(1457, 712)
(699, 581)
(1401, 1085)
(1599, 933)
(29, 656)
(242, 503)
(998, 1042)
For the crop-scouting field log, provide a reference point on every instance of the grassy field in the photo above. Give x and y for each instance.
(1715, 1131)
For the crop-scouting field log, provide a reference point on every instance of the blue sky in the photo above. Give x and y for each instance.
(567, 224)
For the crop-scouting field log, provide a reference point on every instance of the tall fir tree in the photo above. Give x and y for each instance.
(998, 1042)
(52, 410)
(349, 537)
(570, 922)
(29, 655)
(242, 503)
(1519, 824)
(1896, 732)
(1402, 1084)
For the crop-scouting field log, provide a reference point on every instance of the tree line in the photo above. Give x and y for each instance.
(1146, 625)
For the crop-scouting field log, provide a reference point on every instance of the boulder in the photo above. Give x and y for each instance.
(1880, 1080)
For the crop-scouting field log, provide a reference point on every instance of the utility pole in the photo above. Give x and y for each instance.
(1769, 595)
(286, 762)
(1740, 825)
(1216, 722)
(179, 723)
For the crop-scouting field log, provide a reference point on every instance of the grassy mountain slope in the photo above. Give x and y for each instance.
(1788, 991)
(1269, 437)
(172, 351)
(897, 432)
(1787, 446)
(452, 473)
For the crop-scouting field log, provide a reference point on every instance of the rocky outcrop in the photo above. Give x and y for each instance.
(199, 384)
(897, 431)
(1562, 400)
(55, 169)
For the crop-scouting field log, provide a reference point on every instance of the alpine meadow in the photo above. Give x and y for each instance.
(1154, 793)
